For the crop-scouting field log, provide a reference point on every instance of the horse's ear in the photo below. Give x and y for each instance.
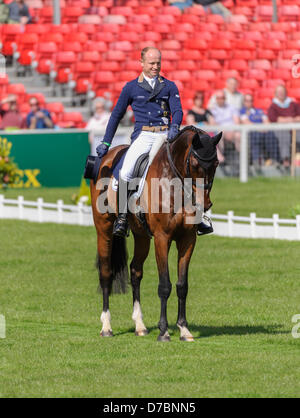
(217, 138)
(196, 141)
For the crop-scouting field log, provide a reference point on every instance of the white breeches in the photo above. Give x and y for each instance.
(143, 143)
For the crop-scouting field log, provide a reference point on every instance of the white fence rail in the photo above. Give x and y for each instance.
(224, 225)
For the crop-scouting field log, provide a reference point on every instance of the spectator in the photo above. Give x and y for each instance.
(38, 118)
(4, 12)
(181, 4)
(216, 7)
(262, 144)
(19, 12)
(198, 115)
(98, 121)
(11, 117)
(225, 114)
(284, 110)
(232, 95)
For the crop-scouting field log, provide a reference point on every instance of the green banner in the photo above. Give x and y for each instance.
(51, 158)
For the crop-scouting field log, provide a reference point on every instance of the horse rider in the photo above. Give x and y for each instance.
(154, 100)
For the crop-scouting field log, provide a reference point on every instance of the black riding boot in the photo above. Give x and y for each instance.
(205, 227)
(121, 223)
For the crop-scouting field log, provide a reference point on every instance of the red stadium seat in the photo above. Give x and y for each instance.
(170, 45)
(103, 77)
(76, 37)
(238, 64)
(256, 74)
(263, 103)
(289, 12)
(17, 89)
(108, 66)
(266, 54)
(90, 20)
(240, 54)
(71, 14)
(210, 65)
(104, 37)
(129, 36)
(72, 119)
(46, 15)
(253, 36)
(164, 19)
(190, 54)
(249, 84)
(128, 75)
(207, 75)
(199, 85)
(189, 65)
(264, 13)
(182, 75)
(224, 44)
(196, 44)
(218, 54)
(72, 46)
(115, 55)
(276, 35)
(284, 64)
(121, 10)
(281, 73)
(98, 47)
(109, 27)
(146, 10)
(121, 46)
(92, 56)
(57, 38)
(262, 64)
(275, 45)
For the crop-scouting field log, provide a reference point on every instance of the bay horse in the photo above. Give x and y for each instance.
(193, 154)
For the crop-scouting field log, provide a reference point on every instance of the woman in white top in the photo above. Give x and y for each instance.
(97, 122)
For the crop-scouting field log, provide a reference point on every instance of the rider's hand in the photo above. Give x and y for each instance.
(102, 150)
(173, 131)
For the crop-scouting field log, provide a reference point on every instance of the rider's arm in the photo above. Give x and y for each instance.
(117, 114)
(175, 105)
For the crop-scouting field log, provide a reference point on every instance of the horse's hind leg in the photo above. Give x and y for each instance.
(141, 251)
(162, 246)
(105, 276)
(185, 247)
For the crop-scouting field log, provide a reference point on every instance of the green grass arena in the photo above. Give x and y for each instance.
(243, 294)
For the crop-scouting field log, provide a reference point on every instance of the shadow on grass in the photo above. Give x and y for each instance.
(203, 331)
(207, 331)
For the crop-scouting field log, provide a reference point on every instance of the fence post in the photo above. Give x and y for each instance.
(60, 211)
(230, 215)
(1, 205)
(40, 202)
(80, 213)
(298, 226)
(21, 207)
(276, 225)
(253, 224)
(244, 156)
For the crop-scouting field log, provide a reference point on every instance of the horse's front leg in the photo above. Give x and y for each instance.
(185, 247)
(162, 246)
(105, 277)
(141, 251)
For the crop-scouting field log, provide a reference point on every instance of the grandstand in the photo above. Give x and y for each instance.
(89, 55)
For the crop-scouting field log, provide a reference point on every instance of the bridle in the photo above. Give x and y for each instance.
(208, 184)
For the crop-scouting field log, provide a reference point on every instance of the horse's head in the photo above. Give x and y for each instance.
(203, 161)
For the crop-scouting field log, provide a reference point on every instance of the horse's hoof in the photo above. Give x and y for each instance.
(106, 334)
(164, 338)
(189, 339)
(142, 333)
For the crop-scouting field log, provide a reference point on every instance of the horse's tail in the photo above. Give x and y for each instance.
(119, 257)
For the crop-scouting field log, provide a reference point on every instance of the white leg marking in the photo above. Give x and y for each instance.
(137, 317)
(105, 319)
(185, 334)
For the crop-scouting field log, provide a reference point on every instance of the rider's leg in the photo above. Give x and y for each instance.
(140, 146)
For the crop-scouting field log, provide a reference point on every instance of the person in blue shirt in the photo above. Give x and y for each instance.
(38, 118)
(262, 144)
(157, 111)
